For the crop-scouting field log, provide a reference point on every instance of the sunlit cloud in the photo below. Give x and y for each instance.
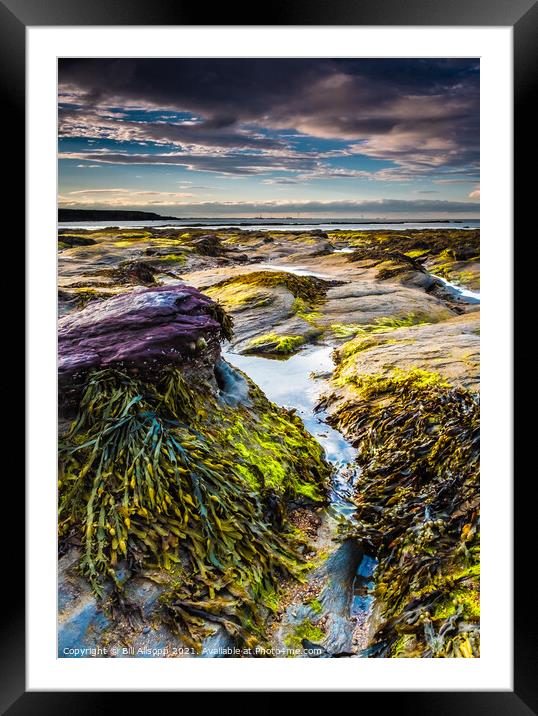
(106, 198)
(475, 194)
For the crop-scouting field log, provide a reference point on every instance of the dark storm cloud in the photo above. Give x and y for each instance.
(422, 115)
(231, 89)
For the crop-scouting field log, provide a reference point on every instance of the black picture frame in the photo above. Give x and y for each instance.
(522, 15)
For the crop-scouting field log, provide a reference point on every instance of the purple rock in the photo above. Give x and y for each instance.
(139, 331)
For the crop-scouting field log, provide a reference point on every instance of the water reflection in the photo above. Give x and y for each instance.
(290, 384)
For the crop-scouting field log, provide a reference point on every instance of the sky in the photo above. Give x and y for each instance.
(368, 138)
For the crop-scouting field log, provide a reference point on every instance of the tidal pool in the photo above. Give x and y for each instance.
(297, 270)
(297, 383)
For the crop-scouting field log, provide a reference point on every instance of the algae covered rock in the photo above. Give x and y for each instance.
(70, 240)
(417, 507)
(134, 272)
(409, 400)
(176, 462)
(273, 311)
(450, 348)
(165, 475)
(208, 245)
(451, 253)
(141, 331)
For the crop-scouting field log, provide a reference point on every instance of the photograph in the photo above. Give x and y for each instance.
(268, 357)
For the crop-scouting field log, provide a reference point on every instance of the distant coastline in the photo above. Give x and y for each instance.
(108, 214)
(69, 215)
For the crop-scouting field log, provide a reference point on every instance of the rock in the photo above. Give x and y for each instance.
(232, 385)
(75, 240)
(323, 248)
(463, 253)
(450, 348)
(334, 580)
(208, 245)
(81, 621)
(141, 331)
(340, 570)
(136, 272)
(87, 627)
(218, 645)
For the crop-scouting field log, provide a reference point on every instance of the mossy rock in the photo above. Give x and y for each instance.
(307, 288)
(70, 240)
(275, 344)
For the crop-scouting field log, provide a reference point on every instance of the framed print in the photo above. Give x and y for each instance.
(270, 422)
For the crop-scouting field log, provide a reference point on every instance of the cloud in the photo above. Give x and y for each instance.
(475, 194)
(119, 197)
(454, 181)
(90, 123)
(420, 115)
(378, 207)
(282, 180)
(220, 162)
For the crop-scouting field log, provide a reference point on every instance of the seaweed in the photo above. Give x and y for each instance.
(135, 272)
(418, 509)
(382, 324)
(397, 252)
(275, 343)
(308, 288)
(305, 630)
(149, 474)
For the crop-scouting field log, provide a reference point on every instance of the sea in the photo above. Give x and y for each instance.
(277, 224)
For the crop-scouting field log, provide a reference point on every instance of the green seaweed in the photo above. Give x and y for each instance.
(383, 324)
(83, 296)
(169, 258)
(315, 605)
(148, 473)
(418, 509)
(309, 288)
(275, 343)
(306, 310)
(304, 630)
(235, 298)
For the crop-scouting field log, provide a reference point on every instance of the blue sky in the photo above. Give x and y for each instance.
(274, 137)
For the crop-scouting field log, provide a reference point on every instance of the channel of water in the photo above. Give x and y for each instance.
(297, 383)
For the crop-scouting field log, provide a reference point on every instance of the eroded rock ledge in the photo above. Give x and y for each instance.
(141, 331)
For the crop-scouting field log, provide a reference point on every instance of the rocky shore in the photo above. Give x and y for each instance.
(196, 516)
